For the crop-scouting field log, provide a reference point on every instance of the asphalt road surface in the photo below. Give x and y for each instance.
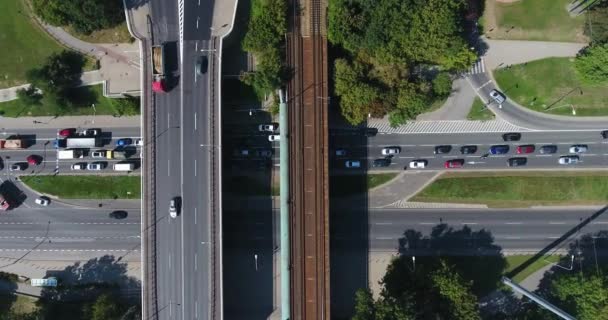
(422, 147)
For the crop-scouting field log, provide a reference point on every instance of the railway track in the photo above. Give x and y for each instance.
(309, 208)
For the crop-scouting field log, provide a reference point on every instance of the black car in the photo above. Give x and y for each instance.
(511, 136)
(369, 132)
(468, 149)
(118, 214)
(605, 134)
(548, 149)
(381, 162)
(443, 149)
(517, 162)
(201, 64)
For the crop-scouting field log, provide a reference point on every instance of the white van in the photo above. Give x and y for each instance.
(124, 166)
(69, 154)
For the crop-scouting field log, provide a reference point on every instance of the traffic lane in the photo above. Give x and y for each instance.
(68, 214)
(477, 162)
(487, 138)
(52, 134)
(197, 19)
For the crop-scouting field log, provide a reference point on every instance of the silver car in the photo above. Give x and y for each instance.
(498, 96)
(578, 148)
(172, 208)
(391, 151)
(568, 160)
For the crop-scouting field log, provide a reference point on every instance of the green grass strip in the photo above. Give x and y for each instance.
(86, 187)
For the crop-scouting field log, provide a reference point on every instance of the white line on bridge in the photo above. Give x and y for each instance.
(195, 119)
(195, 167)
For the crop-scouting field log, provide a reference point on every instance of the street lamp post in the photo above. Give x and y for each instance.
(255, 257)
(94, 113)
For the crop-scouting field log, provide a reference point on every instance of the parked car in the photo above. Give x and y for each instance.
(173, 208)
(264, 153)
(468, 149)
(118, 214)
(511, 136)
(370, 132)
(384, 162)
(90, 132)
(454, 163)
(139, 142)
(442, 149)
(274, 137)
(498, 96)
(548, 149)
(605, 134)
(525, 149)
(418, 164)
(79, 166)
(500, 149)
(98, 154)
(95, 166)
(67, 132)
(242, 152)
(391, 151)
(568, 160)
(340, 153)
(578, 148)
(124, 142)
(517, 162)
(19, 166)
(269, 127)
(34, 159)
(201, 64)
(59, 143)
(43, 201)
(353, 164)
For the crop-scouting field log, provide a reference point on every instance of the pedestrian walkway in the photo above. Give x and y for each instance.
(88, 78)
(403, 187)
(457, 105)
(456, 126)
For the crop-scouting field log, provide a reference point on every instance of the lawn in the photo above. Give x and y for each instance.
(479, 111)
(518, 189)
(551, 85)
(23, 45)
(86, 187)
(24, 305)
(346, 185)
(516, 260)
(544, 20)
(86, 96)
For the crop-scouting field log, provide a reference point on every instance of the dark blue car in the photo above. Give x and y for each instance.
(501, 149)
(124, 142)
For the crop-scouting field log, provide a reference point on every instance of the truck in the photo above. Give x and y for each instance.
(83, 142)
(116, 154)
(124, 166)
(12, 143)
(4, 205)
(158, 68)
(69, 154)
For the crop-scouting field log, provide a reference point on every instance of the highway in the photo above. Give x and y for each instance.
(422, 147)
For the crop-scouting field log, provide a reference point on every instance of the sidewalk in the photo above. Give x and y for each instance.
(403, 187)
(87, 79)
(457, 106)
(69, 122)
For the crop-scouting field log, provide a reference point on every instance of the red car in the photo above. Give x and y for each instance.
(525, 149)
(67, 132)
(456, 163)
(34, 160)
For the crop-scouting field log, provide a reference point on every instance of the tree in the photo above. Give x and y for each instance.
(585, 297)
(29, 96)
(356, 93)
(442, 84)
(85, 16)
(455, 294)
(106, 307)
(592, 64)
(596, 27)
(60, 71)
(364, 305)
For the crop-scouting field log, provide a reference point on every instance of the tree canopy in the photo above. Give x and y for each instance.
(392, 44)
(84, 16)
(592, 64)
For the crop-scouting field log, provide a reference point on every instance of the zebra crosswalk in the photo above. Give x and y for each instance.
(447, 126)
(478, 67)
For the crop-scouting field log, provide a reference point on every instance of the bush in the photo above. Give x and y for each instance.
(597, 27)
(85, 16)
(30, 96)
(592, 64)
(126, 106)
(442, 84)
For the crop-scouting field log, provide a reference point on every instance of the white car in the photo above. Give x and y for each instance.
(16, 167)
(498, 96)
(391, 151)
(270, 127)
(43, 201)
(139, 142)
(78, 166)
(98, 154)
(340, 152)
(90, 132)
(95, 166)
(274, 137)
(568, 160)
(172, 209)
(353, 164)
(578, 148)
(418, 164)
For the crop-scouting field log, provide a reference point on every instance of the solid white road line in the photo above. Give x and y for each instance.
(195, 121)
(195, 259)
